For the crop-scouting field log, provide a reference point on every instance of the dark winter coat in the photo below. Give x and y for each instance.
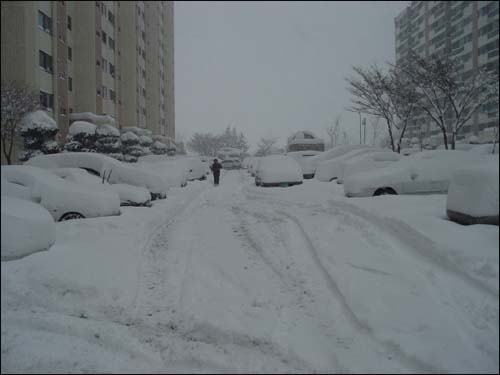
(215, 167)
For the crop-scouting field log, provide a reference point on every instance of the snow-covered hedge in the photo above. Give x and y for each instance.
(473, 193)
(92, 118)
(81, 137)
(108, 141)
(26, 228)
(38, 130)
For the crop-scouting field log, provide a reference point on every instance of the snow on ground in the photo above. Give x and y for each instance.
(298, 279)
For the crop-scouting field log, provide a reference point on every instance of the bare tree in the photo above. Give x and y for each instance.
(267, 146)
(206, 144)
(370, 96)
(449, 99)
(17, 101)
(333, 132)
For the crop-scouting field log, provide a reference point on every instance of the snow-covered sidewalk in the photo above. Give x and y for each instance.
(237, 278)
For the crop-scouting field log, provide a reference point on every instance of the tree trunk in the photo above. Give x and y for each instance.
(453, 137)
(5, 152)
(443, 130)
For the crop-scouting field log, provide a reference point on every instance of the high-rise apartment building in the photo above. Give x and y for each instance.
(105, 57)
(465, 30)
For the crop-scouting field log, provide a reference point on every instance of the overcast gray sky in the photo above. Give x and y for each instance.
(272, 68)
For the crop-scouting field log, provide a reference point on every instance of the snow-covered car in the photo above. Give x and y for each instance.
(230, 164)
(278, 170)
(253, 165)
(311, 163)
(129, 195)
(330, 169)
(427, 172)
(473, 194)
(197, 170)
(172, 171)
(26, 228)
(302, 156)
(366, 162)
(104, 166)
(63, 199)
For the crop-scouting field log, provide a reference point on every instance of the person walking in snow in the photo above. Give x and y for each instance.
(215, 167)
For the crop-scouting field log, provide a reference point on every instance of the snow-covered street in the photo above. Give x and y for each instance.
(238, 278)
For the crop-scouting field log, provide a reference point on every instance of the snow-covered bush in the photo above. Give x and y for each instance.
(38, 130)
(131, 148)
(158, 148)
(81, 137)
(108, 141)
(92, 118)
(145, 143)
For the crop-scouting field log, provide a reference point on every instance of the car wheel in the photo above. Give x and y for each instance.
(384, 191)
(71, 216)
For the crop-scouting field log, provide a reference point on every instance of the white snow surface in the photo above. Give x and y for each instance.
(38, 119)
(279, 168)
(332, 168)
(82, 127)
(474, 190)
(239, 279)
(92, 118)
(26, 228)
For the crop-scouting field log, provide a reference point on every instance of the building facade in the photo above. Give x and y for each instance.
(106, 57)
(465, 30)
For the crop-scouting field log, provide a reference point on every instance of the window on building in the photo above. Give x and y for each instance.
(112, 95)
(104, 65)
(70, 54)
(103, 37)
(70, 84)
(104, 90)
(45, 22)
(111, 17)
(69, 23)
(46, 100)
(45, 61)
(111, 43)
(111, 69)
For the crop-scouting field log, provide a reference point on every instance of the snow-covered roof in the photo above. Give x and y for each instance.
(92, 118)
(304, 137)
(38, 119)
(82, 127)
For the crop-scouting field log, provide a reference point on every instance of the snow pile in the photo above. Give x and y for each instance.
(92, 118)
(366, 162)
(81, 127)
(38, 120)
(473, 192)
(14, 190)
(310, 164)
(278, 169)
(26, 228)
(330, 169)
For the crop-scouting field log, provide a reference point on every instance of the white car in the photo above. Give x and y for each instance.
(278, 170)
(129, 195)
(330, 169)
(473, 193)
(311, 163)
(366, 162)
(103, 165)
(26, 228)
(253, 165)
(427, 172)
(197, 170)
(63, 199)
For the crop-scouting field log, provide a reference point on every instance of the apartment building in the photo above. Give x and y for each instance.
(105, 57)
(466, 30)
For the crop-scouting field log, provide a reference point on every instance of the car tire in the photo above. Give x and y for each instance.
(384, 191)
(71, 216)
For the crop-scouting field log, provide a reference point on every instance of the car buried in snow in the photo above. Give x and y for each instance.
(278, 170)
